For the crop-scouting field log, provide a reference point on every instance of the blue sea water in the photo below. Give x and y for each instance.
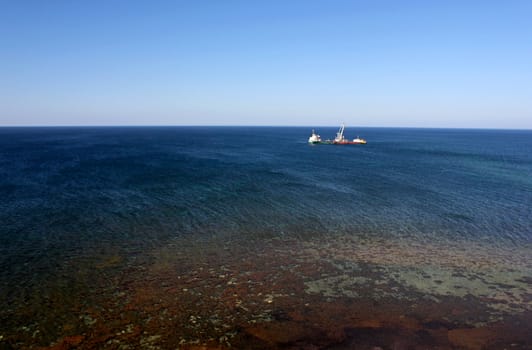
(77, 192)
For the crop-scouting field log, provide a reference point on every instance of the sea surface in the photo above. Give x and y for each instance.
(248, 237)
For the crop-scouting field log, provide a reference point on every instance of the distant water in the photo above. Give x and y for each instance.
(77, 193)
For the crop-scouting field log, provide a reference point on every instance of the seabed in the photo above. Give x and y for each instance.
(323, 292)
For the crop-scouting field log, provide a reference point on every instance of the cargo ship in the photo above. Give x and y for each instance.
(338, 140)
(314, 138)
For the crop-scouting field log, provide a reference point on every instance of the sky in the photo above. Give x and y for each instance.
(440, 63)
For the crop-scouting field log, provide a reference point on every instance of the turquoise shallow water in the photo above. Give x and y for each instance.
(84, 194)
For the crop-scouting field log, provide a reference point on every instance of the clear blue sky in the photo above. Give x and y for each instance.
(424, 63)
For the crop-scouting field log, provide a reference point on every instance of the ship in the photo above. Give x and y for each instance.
(314, 138)
(338, 140)
(358, 140)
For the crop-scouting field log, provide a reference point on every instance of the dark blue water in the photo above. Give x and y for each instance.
(79, 192)
(70, 189)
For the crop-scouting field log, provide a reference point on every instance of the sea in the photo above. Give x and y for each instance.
(251, 238)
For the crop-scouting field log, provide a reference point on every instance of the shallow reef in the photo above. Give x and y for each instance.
(324, 292)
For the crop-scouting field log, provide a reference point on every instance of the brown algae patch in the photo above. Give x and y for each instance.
(225, 287)
(315, 293)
